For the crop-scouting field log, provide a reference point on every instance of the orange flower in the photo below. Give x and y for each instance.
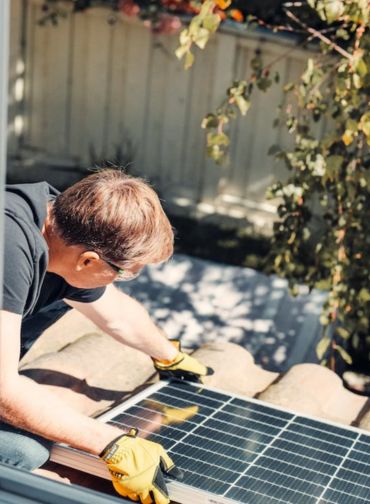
(223, 4)
(237, 15)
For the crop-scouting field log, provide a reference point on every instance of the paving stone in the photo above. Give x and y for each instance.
(316, 391)
(235, 370)
(92, 372)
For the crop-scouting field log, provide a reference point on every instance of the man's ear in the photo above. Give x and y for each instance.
(87, 259)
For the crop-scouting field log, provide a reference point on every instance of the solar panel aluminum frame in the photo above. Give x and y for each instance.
(179, 492)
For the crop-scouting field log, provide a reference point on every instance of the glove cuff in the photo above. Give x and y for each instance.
(111, 448)
(166, 363)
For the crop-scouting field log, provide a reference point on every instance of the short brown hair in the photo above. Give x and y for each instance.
(118, 216)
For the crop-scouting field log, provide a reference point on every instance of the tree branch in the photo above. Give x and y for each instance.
(319, 35)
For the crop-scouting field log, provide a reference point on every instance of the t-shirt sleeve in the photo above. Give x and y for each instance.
(18, 268)
(84, 295)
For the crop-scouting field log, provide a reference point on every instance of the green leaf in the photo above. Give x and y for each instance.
(181, 51)
(212, 22)
(210, 121)
(365, 124)
(217, 139)
(322, 347)
(189, 60)
(345, 355)
(201, 37)
(274, 149)
(243, 104)
(364, 295)
(343, 333)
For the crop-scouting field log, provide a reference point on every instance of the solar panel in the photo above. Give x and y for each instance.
(233, 449)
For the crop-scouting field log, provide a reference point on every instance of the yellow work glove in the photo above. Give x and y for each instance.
(137, 467)
(183, 367)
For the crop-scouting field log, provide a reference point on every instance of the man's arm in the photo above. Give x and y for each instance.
(28, 405)
(126, 320)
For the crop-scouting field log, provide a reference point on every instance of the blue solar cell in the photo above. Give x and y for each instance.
(341, 498)
(261, 408)
(327, 428)
(351, 488)
(365, 439)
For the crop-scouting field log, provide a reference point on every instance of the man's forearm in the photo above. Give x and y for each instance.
(139, 331)
(126, 320)
(36, 409)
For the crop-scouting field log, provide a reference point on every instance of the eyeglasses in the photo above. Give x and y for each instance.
(123, 274)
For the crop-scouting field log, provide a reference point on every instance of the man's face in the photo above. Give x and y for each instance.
(87, 270)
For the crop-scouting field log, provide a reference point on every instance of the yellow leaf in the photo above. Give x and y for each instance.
(223, 4)
(347, 138)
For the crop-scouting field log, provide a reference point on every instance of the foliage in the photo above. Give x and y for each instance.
(331, 173)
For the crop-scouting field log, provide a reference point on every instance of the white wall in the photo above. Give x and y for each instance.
(89, 83)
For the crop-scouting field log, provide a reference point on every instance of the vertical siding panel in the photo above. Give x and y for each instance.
(97, 72)
(241, 132)
(193, 156)
(28, 71)
(16, 78)
(134, 110)
(221, 79)
(174, 119)
(78, 91)
(38, 90)
(56, 56)
(160, 59)
(116, 120)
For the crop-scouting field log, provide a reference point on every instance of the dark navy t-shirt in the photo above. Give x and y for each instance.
(27, 286)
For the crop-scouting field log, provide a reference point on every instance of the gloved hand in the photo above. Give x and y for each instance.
(183, 367)
(137, 466)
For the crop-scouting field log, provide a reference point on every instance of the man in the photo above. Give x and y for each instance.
(71, 247)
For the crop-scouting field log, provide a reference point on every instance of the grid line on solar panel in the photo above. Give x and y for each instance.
(199, 425)
(330, 438)
(284, 415)
(217, 412)
(146, 408)
(242, 493)
(275, 489)
(294, 437)
(365, 438)
(211, 394)
(244, 405)
(163, 440)
(200, 392)
(265, 433)
(362, 447)
(325, 427)
(348, 485)
(338, 468)
(262, 452)
(162, 436)
(354, 499)
(334, 440)
(307, 451)
(353, 465)
(354, 477)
